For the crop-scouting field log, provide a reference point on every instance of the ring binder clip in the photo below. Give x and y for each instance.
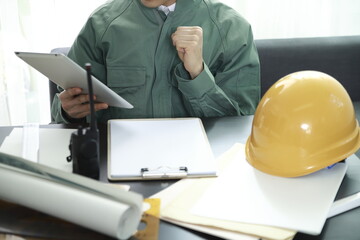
(164, 172)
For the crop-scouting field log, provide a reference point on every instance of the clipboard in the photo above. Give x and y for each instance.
(149, 149)
(66, 73)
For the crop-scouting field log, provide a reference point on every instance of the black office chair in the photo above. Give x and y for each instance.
(52, 86)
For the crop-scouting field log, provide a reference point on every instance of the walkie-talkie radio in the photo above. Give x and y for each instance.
(84, 143)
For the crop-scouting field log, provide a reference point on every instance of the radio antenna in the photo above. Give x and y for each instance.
(84, 143)
(91, 96)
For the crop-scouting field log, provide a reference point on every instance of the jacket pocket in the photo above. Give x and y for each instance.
(125, 77)
(129, 83)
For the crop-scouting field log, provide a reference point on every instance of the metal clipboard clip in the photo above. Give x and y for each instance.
(164, 172)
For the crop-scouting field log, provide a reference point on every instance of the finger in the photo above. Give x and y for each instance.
(101, 106)
(187, 37)
(196, 29)
(74, 105)
(189, 32)
(184, 46)
(78, 111)
(82, 99)
(70, 93)
(186, 42)
(71, 102)
(84, 110)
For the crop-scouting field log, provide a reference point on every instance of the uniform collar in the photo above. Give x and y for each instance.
(181, 5)
(168, 9)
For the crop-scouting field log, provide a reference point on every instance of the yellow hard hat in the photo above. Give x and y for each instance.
(304, 122)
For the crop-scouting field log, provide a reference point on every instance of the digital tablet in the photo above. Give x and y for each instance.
(66, 73)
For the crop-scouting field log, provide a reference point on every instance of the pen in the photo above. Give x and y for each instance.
(344, 204)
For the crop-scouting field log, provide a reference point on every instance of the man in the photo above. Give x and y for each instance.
(167, 58)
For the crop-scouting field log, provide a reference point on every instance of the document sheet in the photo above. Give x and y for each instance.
(244, 200)
(179, 199)
(250, 196)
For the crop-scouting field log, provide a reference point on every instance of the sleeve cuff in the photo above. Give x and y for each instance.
(68, 119)
(60, 116)
(197, 87)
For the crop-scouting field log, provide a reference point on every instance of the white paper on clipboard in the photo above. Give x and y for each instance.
(158, 148)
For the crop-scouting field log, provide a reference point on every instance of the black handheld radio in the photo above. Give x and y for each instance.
(84, 143)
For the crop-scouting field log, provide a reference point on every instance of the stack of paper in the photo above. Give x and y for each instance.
(53, 146)
(246, 201)
(71, 197)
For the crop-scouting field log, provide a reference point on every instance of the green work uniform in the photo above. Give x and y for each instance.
(131, 51)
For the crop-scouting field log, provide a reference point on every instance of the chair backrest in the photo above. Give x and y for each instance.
(337, 56)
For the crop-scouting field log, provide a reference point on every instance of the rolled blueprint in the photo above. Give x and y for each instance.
(71, 197)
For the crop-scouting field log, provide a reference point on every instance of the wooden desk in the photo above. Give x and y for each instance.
(222, 134)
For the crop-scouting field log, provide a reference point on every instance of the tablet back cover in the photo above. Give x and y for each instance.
(66, 73)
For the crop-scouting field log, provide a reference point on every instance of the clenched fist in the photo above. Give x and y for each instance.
(189, 44)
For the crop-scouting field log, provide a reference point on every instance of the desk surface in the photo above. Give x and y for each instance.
(222, 134)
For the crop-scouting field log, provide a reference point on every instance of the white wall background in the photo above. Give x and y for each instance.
(40, 25)
(305, 18)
